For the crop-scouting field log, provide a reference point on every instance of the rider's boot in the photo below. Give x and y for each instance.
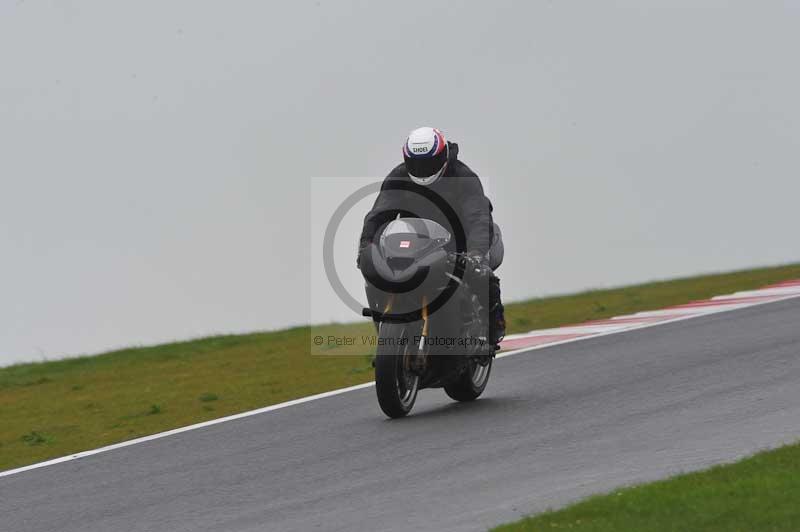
(497, 319)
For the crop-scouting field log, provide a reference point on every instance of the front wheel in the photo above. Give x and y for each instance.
(470, 384)
(395, 384)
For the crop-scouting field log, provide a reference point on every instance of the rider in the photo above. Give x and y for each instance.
(431, 161)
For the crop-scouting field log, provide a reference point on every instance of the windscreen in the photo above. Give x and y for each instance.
(417, 226)
(412, 237)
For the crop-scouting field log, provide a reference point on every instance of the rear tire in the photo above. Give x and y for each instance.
(470, 384)
(396, 388)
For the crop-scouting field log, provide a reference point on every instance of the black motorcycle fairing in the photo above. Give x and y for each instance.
(406, 252)
(382, 273)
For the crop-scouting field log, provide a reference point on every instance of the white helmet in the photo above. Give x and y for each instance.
(425, 153)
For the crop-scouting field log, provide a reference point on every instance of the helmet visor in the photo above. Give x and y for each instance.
(426, 166)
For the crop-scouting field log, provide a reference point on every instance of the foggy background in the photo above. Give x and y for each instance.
(156, 158)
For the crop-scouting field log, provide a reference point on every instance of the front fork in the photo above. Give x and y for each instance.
(419, 361)
(414, 360)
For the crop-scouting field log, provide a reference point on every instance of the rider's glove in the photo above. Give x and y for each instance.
(479, 263)
(476, 256)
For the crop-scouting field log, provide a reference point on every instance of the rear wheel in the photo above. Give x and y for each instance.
(395, 384)
(470, 384)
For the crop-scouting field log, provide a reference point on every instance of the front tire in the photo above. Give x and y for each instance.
(395, 385)
(470, 384)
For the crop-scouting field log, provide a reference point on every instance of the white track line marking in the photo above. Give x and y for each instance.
(208, 423)
(781, 294)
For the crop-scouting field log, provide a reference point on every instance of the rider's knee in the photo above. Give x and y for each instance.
(496, 250)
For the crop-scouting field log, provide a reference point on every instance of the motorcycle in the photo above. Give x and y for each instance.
(432, 325)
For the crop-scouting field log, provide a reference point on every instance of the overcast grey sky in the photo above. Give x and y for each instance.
(157, 156)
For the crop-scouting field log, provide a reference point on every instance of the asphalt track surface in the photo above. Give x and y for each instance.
(554, 425)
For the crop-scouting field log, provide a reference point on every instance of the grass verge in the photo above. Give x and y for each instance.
(755, 494)
(51, 409)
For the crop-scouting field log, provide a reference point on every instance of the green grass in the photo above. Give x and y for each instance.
(759, 493)
(51, 409)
